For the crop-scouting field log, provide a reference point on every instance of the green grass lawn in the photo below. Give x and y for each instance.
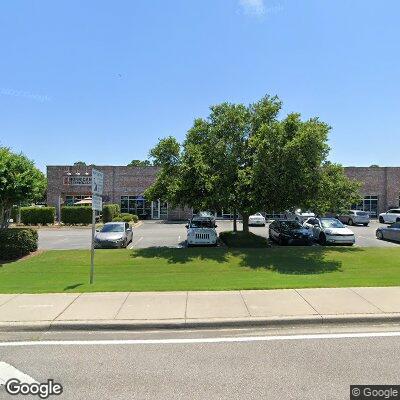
(202, 269)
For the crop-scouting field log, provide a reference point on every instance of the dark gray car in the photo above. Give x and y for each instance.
(390, 232)
(114, 235)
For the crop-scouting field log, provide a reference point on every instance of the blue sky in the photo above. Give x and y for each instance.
(101, 81)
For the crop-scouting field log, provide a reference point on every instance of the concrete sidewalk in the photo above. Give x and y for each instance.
(197, 309)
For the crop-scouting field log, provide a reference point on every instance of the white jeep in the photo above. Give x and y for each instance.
(201, 232)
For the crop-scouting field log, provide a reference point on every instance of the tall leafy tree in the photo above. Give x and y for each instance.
(246, 159)
(140, 163)
(20, 182)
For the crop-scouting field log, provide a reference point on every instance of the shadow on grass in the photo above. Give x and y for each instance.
(283, 260)
(183, 255)
(295, 260)
(71, 287)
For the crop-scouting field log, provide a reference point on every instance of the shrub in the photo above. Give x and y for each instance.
(17, 242)
(110, 211)
(126, 217)
(76, 215)
(37, 215)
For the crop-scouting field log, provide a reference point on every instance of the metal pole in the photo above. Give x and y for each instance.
(92, 248)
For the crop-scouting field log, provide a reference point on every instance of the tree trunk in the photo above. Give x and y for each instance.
(245, 218)
(234, 221)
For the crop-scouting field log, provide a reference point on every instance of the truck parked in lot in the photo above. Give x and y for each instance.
(201, 231)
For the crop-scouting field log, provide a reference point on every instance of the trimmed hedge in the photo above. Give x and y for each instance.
(126, 217)
(37, 215)
(76, 215)
(17, 242)
(110, 211)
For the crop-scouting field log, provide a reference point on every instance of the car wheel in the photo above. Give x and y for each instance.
(350, 222)
(379, 235)
(322, 239)
(381, 220)
(281, 241)
(365, 224)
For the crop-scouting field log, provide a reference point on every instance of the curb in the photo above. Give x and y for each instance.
(136, 325)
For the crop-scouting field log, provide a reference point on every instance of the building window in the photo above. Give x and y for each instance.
(368, 204)
(136, 205)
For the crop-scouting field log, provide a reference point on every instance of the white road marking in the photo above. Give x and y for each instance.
(8, 372)
(137, 241)
(201, 340)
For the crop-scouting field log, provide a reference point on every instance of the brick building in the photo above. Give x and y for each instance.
(125, 186)
(122, 185)
(380, 187)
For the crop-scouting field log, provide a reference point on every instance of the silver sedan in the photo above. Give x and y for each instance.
(114, 235)
(391, 232)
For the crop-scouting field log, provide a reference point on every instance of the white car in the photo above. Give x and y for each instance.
(390, 217)
(298, 215)
(330, 230)
(257, 219)
(201, 232)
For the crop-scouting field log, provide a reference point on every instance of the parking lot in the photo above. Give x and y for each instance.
(161, 233)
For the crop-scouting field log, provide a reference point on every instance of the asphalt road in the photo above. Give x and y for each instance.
(228, 364)
(160, 233)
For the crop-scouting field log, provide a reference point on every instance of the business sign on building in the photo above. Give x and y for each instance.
(97, 182)
(77, 180)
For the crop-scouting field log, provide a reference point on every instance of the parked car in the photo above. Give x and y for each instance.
(257, 219)
(113, 234)
(390, 232)
(330, 230)
(354, 217)
(390, 216)
(298, 215)
(201, 231)
(290, 232)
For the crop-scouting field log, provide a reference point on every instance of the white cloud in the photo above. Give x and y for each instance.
(254, 7)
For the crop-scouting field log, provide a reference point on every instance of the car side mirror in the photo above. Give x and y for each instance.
(187, 226)
(97, 230)
(129, 230)
(215, 226)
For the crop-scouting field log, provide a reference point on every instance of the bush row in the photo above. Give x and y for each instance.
(17, 242)
(110, 211)
(125, 217)
(76, 215)
(37, 215)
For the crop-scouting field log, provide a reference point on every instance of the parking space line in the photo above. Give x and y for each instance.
(137, 241)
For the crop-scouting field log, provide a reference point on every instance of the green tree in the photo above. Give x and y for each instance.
(79, 164)
(140, 163)
(245, 159)
(20, 183)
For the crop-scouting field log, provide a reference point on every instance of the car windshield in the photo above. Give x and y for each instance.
(112, 228)
(201, 224)
(257, 215)
(331, 223)
(291, 225)
(361, 213)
